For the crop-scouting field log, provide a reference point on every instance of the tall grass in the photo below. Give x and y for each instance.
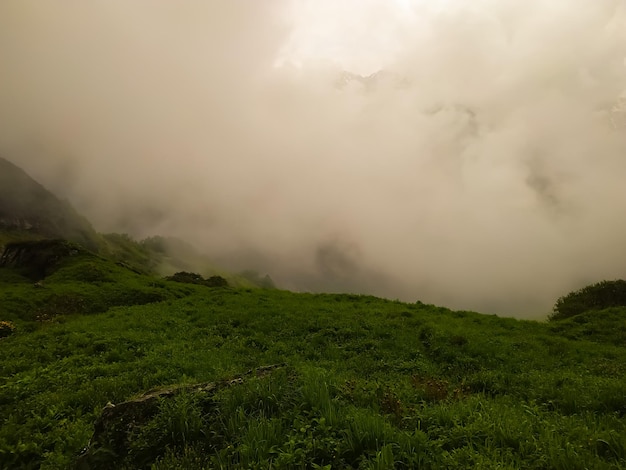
(367, 383)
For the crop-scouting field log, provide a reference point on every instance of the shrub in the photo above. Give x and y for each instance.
(194, 278)
(185, 277)
(216, 281)
(593, 297)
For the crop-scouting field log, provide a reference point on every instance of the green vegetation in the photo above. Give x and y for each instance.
(265, 282)
(28, 211)
(195, 278)
(168, 256)
(593, 297)
(77, 282)
(361, 382)
(122, 248)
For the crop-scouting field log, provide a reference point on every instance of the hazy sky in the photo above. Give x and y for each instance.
(460, 152)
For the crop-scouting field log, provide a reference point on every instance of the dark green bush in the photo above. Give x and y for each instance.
(593, 297)
(194, 278)
(185, 277)
(216, 281)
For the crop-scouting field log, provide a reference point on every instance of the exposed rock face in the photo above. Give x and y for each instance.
(16, 223)
(37, 259)
(117, 423)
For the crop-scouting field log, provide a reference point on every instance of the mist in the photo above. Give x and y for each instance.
(465, 153)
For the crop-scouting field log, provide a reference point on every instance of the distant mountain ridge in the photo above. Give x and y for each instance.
(27, 209)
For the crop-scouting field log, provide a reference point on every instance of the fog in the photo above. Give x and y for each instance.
(468, 153)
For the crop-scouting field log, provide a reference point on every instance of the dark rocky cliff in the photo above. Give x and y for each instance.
(36, 259)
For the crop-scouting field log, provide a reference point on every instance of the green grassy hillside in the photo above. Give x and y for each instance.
(358, 382)
(167, 255)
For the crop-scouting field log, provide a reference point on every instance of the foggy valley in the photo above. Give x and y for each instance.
(467, 154)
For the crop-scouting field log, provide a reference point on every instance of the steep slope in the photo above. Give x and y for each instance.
(28, 210)
(71, 280)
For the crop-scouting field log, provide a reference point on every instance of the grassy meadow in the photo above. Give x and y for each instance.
(359, 382)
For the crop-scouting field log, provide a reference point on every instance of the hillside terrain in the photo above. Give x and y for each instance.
(354, 382)
(28, 211)
(108, 364)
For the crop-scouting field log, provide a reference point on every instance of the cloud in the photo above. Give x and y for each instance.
(479, 168)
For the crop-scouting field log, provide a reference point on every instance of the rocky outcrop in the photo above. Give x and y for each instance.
(37, 259)
(117, 423)
(16, 223)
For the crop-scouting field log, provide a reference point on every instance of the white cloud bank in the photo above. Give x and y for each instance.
(480, 169)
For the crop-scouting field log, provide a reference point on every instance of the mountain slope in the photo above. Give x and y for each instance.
(362, 383)
(28, 210)
(252, 378)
